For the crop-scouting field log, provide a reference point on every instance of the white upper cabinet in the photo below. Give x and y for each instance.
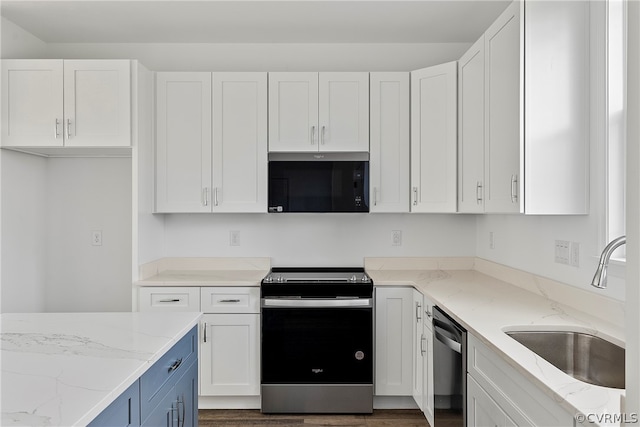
(211, 153)
(97, 103)
(434, 138)
(503, 138)
(389, 153)
(293, 112)
(183, 142)
(239, 142)
(72, 103)
(318, 112)
(537, 109)
(344, 111)
(471, 129)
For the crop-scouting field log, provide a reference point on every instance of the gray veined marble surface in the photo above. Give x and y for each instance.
(63, 369)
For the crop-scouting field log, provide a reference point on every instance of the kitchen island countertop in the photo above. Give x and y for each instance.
(63, 369)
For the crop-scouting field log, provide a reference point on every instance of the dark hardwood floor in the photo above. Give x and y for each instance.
(253, 418)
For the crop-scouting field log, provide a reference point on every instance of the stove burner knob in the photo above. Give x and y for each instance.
(365, 278)
(353, 278)
(268, 279)
(280, 279)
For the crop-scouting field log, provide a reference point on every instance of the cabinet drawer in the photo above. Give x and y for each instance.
(169, 299)
(230, 300)
(164, 374)
(521, 400)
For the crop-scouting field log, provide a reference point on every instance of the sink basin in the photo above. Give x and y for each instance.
(584, 357)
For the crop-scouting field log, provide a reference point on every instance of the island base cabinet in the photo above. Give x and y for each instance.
(230, 355)
(123, 412)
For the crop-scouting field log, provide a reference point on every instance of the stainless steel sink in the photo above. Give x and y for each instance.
(584, 357)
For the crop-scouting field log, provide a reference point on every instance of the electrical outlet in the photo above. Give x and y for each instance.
(234, 238)
(396, 237)
(563, 252)
(491, 241)
(96, 238)
(575, 254)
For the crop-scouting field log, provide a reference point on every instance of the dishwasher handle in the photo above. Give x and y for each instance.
(455, 345)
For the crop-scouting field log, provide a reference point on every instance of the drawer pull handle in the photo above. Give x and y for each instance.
(229, 300)
(175, 365)
(170, 300)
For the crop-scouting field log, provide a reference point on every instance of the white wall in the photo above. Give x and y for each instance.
(319, 239)
(16, 43)
(23, 240)
(83, 195)
(269, 57)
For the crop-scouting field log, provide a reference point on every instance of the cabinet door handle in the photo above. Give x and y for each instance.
(375, 196)
(175, 365)
(418, 317)
(428, 313)
(56, 133)
(322, 136)
(170, 300)
(415, 196)
(205, 196)
(68, 128)
(423, 341)
(313, 135)
(205, 331)
(514, 188)
(479, 192)
(215, 196)
(229, 300)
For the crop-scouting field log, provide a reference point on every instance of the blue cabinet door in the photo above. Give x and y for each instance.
(186, 391)
(123, 412)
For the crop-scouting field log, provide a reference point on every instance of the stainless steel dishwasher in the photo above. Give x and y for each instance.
(450, 370)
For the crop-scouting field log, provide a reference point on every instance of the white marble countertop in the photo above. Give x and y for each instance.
(63, 369)
(204, 272)
(487, 307)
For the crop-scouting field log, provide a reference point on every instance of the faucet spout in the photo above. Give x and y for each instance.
(600, 278)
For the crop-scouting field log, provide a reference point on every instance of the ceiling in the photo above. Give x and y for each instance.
(263, 21)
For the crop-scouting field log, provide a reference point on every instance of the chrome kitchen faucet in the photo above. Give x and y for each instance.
(600, 278)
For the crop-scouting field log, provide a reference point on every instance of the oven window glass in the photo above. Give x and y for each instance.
(320, 186)
(317, 345)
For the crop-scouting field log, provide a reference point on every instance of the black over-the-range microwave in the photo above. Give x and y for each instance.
(318, 182)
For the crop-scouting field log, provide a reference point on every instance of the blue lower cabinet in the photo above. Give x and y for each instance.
(123, 412)
(165, 395)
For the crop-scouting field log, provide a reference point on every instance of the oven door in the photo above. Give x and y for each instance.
(326, 341)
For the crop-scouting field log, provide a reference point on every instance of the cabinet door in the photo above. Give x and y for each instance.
(433, 138)
(240, 142)
(97, 103)
(123, 412)
(428, 379)
(293, 112)
(230, 355)
(504, 47)
(389, 127)
(183, 142)
(418, 350)
(186, 392)
(394, 341)
(343, 116)
(482, 410)
(471, 129)
(32, 107)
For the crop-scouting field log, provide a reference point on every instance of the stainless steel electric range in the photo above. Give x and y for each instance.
(317, 341)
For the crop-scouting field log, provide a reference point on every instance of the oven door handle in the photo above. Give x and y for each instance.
(311, 303)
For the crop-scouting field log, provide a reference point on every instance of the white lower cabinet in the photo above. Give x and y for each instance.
(394, 341)
(230, 355)
(498, 395)
(229, 334)
(482, 410)
(423, 355)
